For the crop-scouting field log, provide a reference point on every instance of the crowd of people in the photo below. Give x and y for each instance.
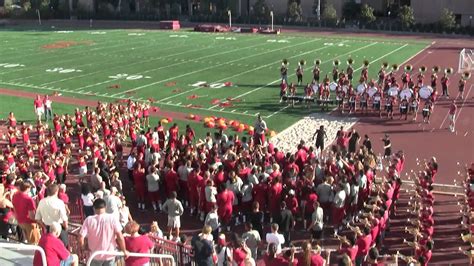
(379, 96)
(222, 179)
(467, 212)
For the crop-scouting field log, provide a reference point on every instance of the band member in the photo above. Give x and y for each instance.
(352, 103)
(292, 94)
(414, 104)
(420, 79)
(325, 97)
(299, 74)
(260, 129)
(389, 101)
(427, 109)
(376, 103)
(340, 94)
(335, 73)
(283, 89)
(284, 73)
(308, 93)
(445, 84)
(404, 108)
(316, 73)
(364, 98)
(350, 72)
(381, 76)
(452, 115)
(39, 107)
(365, 73)
(405, 78)
(462, 85)
(434, 80)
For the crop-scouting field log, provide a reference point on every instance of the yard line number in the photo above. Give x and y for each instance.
(128, 77)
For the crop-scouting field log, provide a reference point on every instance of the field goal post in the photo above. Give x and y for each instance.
(466, 60)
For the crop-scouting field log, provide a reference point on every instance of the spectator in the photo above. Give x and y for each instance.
(155, 230)
(87, 200)
(113, 203)
(55, 251)
(317, 222)
(310, 258)
(174, 209)
(52, 209)
(153, 186)
(212, 220)
(224, 253)
(285, 221)
(252, 239)
(275, 238)
(203, 251)
(137, 243)
(103, 232)
(62, 195)
(25, 207)
(96, 179)
(124, 211)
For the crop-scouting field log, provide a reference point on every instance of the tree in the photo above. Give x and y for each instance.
(350, 10)
(367, 14)
(329, 15)
(406, 16)
(447, 19)
(260, 10)
(295, 12)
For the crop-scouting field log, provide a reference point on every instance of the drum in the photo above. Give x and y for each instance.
(406, 93)
(393, 91)
(333, 86)
(360, 89)
(372, 91)
(425, 92)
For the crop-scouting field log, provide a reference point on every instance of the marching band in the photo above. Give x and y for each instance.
(384, 92)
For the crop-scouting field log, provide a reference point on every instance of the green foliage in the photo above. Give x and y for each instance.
(350, 10)
(406, 16)
(367, 14)
(329, 15)
(447, 20)
(295, 13)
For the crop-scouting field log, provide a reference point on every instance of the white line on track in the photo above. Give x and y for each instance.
(464, 101)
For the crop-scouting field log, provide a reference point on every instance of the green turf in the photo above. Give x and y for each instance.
(250, 62)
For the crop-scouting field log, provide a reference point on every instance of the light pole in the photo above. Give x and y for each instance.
(271, 15)
(470, 21)
(230, 18)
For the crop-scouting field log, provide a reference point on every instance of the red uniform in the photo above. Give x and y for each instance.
(224, 205)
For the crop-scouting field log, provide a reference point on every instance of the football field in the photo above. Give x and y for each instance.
(225, 75)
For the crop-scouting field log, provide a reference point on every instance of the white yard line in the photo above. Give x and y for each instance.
(240, 73)
(207, 68)
(277, 80)
(463, 102)
(113, 97)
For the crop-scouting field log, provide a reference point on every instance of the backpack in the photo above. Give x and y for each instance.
(202, 249)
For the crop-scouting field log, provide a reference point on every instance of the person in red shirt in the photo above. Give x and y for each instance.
(274, 197)
(310, 258)
(38, 107)
(137, 243)
(194, 179)
(452, 115)
(283, 90)
(363, 243)
(139, 182)
(224, 205)
(173, 136)
(24, 207)
(189, 134)
(349, 247)
(171, 179)
(11, 119)
(56, 252)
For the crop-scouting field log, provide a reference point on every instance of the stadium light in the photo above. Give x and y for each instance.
(229, 13)
(271, 14)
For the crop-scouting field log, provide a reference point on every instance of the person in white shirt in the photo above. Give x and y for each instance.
(317, 222)
(183, 172)
(113, 203)
(338, 211)
(235, 184)
(130, 163)
(247, 189)
(48, 109)
(52, 209)
(153, 187)
(212, 220)
(275, 238)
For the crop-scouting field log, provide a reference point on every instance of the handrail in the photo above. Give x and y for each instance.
(116, 253)
(26, 247)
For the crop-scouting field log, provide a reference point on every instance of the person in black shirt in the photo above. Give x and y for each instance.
(285, 221)
(320, 135)
(367, 143)
(353, 141)
(387, 145)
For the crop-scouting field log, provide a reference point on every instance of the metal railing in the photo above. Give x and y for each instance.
(140, 255)
(26, 247)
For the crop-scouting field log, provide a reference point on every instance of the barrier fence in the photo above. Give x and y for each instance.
(14, 246)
